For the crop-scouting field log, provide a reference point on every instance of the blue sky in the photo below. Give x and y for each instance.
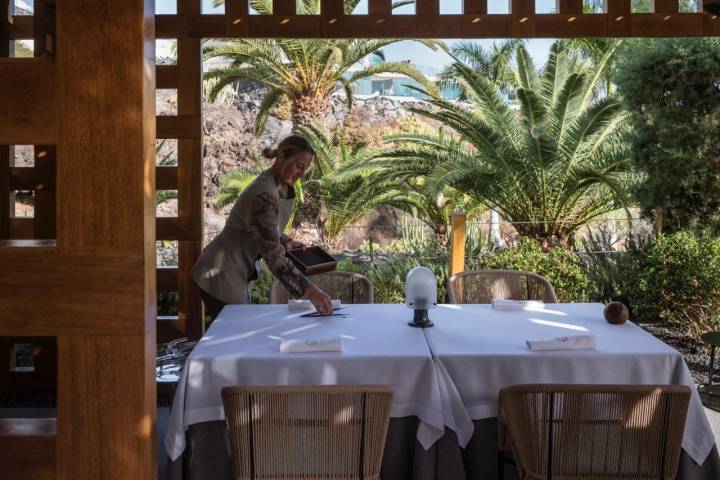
(427, 60)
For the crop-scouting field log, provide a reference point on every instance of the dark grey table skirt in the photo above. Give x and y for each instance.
(207, 456)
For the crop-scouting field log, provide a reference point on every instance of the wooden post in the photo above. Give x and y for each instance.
(458, 235)
(105, 98)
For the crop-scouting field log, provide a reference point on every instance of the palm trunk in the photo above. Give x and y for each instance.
(305, 111)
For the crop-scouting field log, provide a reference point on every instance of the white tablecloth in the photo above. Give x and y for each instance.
(480, 351)
(241, 348)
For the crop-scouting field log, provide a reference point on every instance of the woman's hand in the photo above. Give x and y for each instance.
(294, 245)
(320, 299)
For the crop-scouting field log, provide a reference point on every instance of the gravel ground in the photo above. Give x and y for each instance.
(695, 352)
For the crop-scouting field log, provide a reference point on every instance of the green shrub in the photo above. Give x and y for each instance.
(561, 267)
(678, 281)
(388, 278)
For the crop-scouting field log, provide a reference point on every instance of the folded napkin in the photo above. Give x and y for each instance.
(308, 345)
(498, 304)
(574, 342)
(306, 305)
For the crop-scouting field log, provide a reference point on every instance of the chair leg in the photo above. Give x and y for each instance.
(500, 465)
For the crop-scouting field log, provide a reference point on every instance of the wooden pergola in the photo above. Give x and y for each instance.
(80, 278)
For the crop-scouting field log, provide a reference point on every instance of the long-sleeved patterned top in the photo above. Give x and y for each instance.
(252, 231)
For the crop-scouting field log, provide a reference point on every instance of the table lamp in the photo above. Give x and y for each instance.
(421, 295)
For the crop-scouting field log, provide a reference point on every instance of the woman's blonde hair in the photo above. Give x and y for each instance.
(290, 145)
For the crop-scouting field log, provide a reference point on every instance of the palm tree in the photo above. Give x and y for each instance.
(555, 165)
(493, 63)
(304, 72)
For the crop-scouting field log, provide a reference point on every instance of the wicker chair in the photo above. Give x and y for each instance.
(481, 286)
(348, 287)
(308, 432)
(598, 432)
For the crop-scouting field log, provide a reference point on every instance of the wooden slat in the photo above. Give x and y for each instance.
(475, 7)
(379, 7)
(427, 13)
(106, 407)
(283, 7)
(618, 18)
(573, 7)
(21, 228)
(236, 14)
(167, 279)
(189, 7)
(5, 203)
(27, 109)
(44, 202)
(666, 6)
(180, 228)
(23, 178)
(4, 28)
(44, 28)
(178, 126)
(166, 178)
(166, 76)
(523, 18)
(27, 448)
(190, 309)
(189, 180)
(21, 27)
(84, 291)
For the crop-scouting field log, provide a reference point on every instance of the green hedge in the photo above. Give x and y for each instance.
(677, 280)
(561, 267)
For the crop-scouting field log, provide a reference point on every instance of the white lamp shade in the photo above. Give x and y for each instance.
(421, 289)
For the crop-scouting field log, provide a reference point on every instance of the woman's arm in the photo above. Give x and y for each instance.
(264, 221)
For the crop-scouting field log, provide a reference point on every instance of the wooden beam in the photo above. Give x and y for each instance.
(27, 101)
(84, 291)
(167, 279)
(379, 7)
(236, 15)
(666, 6)
(190, 180)
(166, 178)
(166, 76)
(23, 178)
(475, 7)
(522, 23)
(111, 378)
(178, 126)
(180, 228)
(21, 27)
(458, 235)
(572, 7)
(105, 95)
(27, 448)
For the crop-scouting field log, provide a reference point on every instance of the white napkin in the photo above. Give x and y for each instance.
(573, 342)
(309, 345)
(306, 305)
(498, 304)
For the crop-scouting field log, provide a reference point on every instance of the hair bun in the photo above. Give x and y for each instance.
(269, 152)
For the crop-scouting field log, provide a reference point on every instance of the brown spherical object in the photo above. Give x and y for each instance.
(616, 313)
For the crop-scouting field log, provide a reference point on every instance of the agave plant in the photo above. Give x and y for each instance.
(551, 167)
(304, 72)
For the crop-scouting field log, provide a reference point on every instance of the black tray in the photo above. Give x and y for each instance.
(312, 260)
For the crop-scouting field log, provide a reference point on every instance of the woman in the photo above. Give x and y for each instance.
(254, 230)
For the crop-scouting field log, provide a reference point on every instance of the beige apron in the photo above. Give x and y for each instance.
(227, 265)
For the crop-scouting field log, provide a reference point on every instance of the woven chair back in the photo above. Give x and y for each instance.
(308, 432)
(598, 432)
(481, 286)
(348, 287)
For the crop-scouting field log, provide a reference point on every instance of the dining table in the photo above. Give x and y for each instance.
(446, 378)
